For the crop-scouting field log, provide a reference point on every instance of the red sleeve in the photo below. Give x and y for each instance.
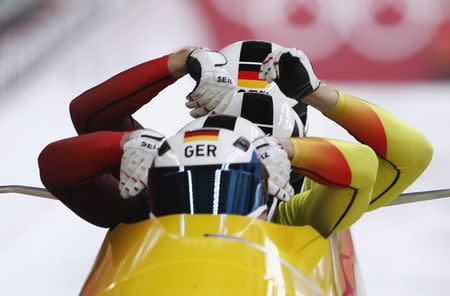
(79, 172)
(74, 160)
(109, 105)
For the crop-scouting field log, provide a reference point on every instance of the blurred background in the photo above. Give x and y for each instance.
(395, 53)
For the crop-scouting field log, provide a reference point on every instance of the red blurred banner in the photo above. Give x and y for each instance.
(345, 40)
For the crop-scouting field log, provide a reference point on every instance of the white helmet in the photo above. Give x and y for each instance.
(282, 128)
(283, 116)
(244, 59)
(208, 170)
(270, 113)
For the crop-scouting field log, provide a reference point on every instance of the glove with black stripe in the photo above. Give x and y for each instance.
(215, 87)
(291, 71)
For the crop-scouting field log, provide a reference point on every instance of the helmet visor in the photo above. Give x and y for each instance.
(214, 189)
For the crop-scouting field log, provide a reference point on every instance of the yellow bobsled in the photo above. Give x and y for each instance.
(222, 255)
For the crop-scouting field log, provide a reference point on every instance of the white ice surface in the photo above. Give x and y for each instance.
(45, 249)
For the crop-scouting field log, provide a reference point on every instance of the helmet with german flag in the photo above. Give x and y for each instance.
(238, 124)
(257, 100)
(244, 59)
(208, 170)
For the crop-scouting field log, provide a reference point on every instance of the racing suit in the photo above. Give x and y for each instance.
(344, 180)
(347, 179)
(83, 172)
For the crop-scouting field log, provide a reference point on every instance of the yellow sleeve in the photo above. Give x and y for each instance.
(343, 176)
(403, 152)
(347, 179)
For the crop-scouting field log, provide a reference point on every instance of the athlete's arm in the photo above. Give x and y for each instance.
(403, 151)
(324, 98)
(109, 105)
(82, 173)
(389, 137)
(334, 201)
(344, 174)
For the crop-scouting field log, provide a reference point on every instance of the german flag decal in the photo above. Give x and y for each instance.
(202, 135)
(252, 55)
(248, 76)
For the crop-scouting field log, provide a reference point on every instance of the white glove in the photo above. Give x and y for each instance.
(291, 71)
(139, 152)
(277, 163)
(215, 87)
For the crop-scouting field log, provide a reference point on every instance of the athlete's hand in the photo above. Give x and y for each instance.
(215, 87)
(291, 71)
(278, 166)
(139, 150)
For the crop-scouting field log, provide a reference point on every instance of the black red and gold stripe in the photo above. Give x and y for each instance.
(251, 56)
(201, 135)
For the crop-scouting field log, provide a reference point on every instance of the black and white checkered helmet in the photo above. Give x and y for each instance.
(257, 100)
